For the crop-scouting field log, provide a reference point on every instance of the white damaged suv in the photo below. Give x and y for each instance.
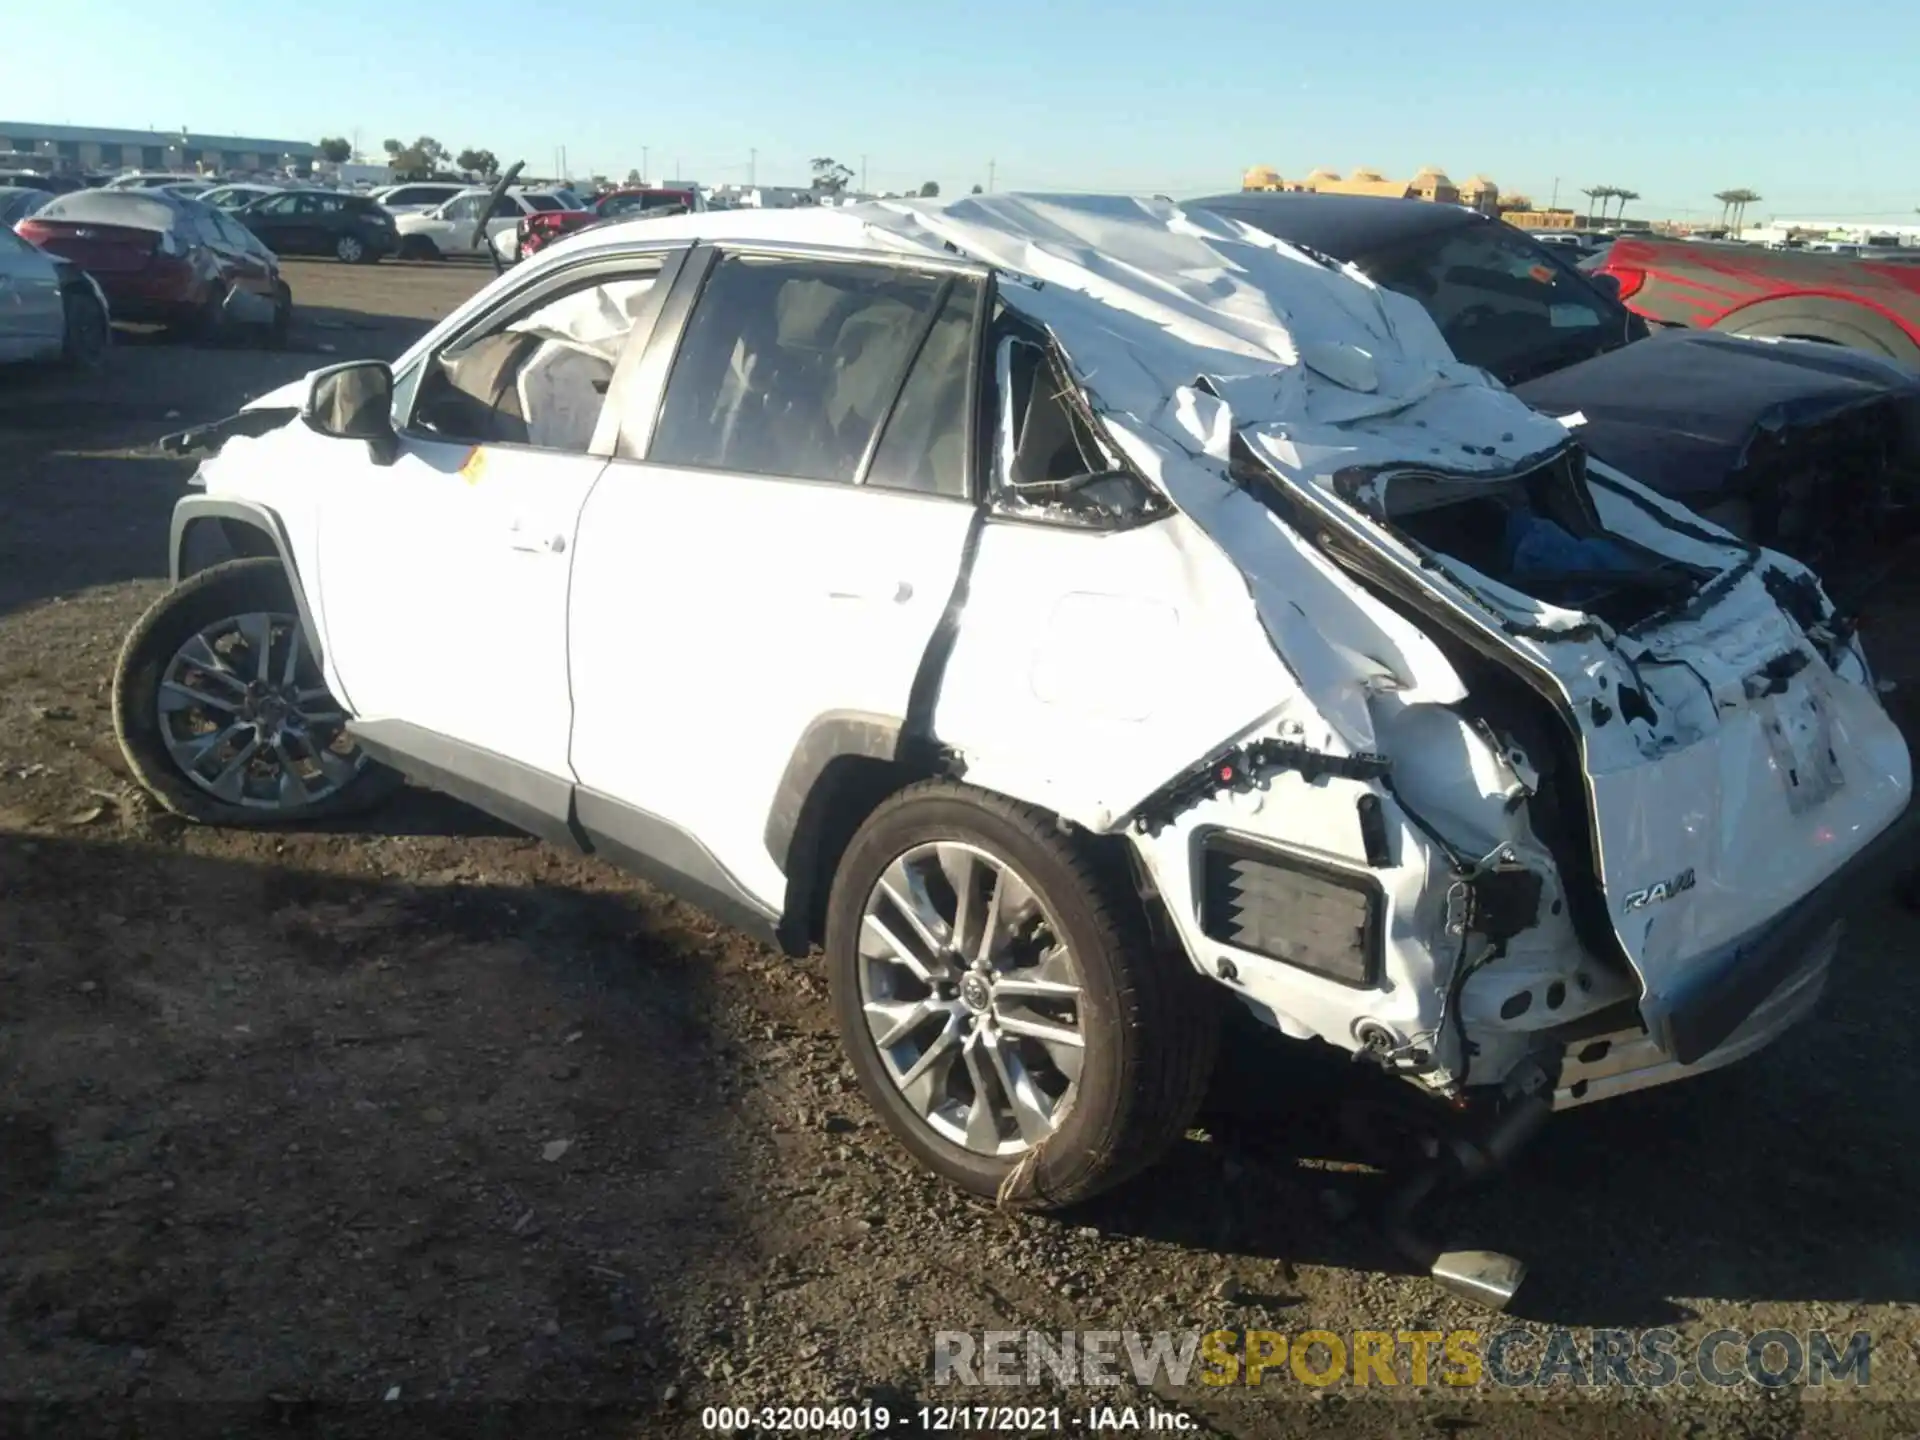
(1067, 612)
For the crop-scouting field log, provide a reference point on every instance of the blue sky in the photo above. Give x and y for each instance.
(1672, 99)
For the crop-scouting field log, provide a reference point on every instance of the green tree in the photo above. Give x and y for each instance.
(417, 161)
(976, 191)
(392, 147)
(335, 151)
(634, 178)
(930, 189)
(480, 162)
(830, 177)
(1624, 196)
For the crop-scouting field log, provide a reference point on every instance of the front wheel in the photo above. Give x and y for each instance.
(222, 712)
(1001, 1003)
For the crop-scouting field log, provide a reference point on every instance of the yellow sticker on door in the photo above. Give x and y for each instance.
(474, 466)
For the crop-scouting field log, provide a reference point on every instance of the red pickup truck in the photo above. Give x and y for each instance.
(539, 231)
(1868, 303)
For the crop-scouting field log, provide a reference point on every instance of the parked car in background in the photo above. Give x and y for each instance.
(535, 232)
(416, 195)
(351, 228)
(164, 258)
(1868, 302)
(237, 195)
(151, 179)
(50, 309)
(1811, 450)
(18, 202)
(449, 229)
(39, 180)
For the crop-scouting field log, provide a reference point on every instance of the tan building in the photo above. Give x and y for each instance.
(1429, 183)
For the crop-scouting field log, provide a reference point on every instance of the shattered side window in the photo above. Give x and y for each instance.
(1049, 461)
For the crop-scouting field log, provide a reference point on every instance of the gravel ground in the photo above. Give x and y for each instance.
(420, 1108)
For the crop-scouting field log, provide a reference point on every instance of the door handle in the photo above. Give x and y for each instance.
(898, 591)
(520, 539)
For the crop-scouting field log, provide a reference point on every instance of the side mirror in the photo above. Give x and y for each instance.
(1607, 284)
(354, 402)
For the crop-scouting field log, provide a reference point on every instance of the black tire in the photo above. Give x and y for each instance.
(281, 330)
(209, 325)
(237, 587)
(419, 247)
(87, 335)
(1151, 1023)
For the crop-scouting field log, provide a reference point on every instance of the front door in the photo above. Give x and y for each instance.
(785, 552)
(444, 575)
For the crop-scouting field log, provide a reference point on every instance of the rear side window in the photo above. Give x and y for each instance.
(788, 366)
(925, 444)
(542, 202)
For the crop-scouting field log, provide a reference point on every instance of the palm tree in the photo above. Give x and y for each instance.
(1623, 196)
(1737, 201)
(1593, 193)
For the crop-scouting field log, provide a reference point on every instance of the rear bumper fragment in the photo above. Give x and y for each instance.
(1716, 1005)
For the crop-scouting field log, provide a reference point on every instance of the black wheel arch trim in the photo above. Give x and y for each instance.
(193, 509)
(836, 735)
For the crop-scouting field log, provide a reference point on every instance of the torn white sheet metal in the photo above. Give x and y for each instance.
(1187, 330)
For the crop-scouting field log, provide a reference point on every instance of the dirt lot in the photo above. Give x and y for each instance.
(420, 1108)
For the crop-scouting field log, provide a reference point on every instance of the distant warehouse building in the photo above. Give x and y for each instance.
(80, 147)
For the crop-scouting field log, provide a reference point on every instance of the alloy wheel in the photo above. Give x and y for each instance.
(972, 998)
(245, 714)
(350, 249)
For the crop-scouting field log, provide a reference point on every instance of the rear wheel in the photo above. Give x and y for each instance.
(350, 249)
(87, 336)
(1000, 1001)
(418, 247)
(222, 712)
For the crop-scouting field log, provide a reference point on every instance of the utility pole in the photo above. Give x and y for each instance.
(990, 165)
(753, 165)
(1556, 193)
(646, 167)
(863, 174)
(563, 164)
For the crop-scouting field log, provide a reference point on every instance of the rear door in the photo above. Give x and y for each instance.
(773, 551)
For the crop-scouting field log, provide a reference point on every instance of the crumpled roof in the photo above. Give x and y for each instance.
(1320, 366)
(1314, 362)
